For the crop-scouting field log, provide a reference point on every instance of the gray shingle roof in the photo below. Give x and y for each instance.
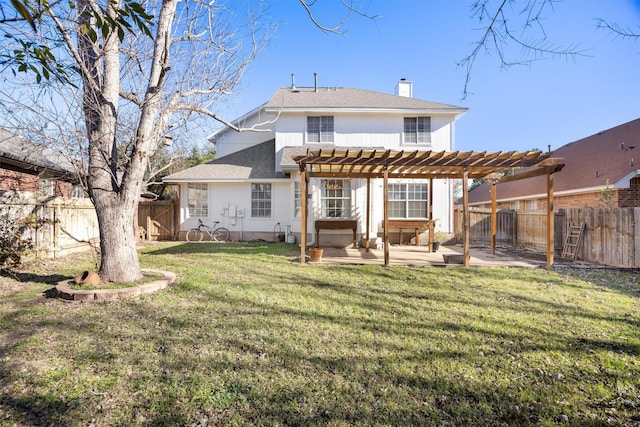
(346, 98)
(29, 155)
(257, 162)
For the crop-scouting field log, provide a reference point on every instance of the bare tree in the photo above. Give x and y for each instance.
(128, 73)
(134, 89)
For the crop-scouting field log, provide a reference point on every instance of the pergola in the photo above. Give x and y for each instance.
(390, 164)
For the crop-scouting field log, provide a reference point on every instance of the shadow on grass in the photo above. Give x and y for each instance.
(33, 409)
(250, 248)
(47, 279)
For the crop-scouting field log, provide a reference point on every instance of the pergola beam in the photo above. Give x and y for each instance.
(388, 164)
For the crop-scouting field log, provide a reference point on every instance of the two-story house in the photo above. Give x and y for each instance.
(253, 186)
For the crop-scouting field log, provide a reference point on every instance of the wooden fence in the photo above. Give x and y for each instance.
(159, 219)
(71, 225)
(67, 225)
(612, 236)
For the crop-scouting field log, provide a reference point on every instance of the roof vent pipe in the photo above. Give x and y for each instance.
(315, 78)
(293, 81)
(622, 145)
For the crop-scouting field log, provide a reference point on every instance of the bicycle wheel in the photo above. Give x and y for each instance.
(194, 235)
(220, 234)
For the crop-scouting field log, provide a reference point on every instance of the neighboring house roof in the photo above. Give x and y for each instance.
(350, 98)
(19, 152)
(610, 157)
(257, 162)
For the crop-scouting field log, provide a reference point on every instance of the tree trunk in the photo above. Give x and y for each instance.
(115, 191)
(114, 203)
(119, 259)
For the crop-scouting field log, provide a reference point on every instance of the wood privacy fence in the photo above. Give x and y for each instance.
(611, 237)
(70, 225)
(67, 225)
(159, 218)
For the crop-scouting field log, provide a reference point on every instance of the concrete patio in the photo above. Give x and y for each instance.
(420, 256)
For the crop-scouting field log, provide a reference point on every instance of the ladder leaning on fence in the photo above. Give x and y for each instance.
(573, 240)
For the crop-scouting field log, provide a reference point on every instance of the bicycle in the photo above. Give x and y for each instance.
(217, 234)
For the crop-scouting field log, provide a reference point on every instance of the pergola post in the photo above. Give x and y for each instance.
(494, 217)
(303, 219)
(431, 223)
(368, 238)
(550, 220)
(385, 190)
(466, 222)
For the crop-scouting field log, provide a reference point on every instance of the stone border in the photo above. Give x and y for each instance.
(64, 291)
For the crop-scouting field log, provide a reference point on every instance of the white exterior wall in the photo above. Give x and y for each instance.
(372, 130)
(358, 129)
(227, 198)
(442, 204)
(363, 130)
(233, 141)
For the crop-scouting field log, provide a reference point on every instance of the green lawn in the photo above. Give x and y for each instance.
(248, 337)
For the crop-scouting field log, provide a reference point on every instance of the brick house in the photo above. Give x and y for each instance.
(34, 170)
(601, 170)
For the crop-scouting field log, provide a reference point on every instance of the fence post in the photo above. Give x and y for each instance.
(560, 229)
(514, 230)
(56, 230)
(636, 237)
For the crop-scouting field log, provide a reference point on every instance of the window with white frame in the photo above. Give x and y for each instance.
(417, 130)
(320, 129)
(197, 200)
(260, 200)
(297, 198)
(77, 192)
(408, 200)
(335, 198)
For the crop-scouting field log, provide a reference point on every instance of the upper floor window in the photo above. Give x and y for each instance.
(408, 200)
(417, 130)
(260, 200)
(197, 200)
(320, 129)
(335, 198)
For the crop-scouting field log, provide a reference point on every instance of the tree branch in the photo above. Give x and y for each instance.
(617, 30)
(498, 34)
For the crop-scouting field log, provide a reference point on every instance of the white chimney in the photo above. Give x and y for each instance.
(404, 88)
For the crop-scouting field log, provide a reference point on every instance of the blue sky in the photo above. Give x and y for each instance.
(552, 102)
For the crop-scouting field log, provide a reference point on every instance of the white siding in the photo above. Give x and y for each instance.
(226, 198)
(233, 141)
(364, 130)
(352, 129)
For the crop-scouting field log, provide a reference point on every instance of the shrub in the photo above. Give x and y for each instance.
(13, 242)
